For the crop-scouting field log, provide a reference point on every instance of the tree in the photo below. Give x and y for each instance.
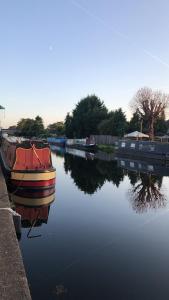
(25, 127)
(68, 126)
(38, 127)
(56, 128)
(160, 127)
(30, 127)
(135, 122)
(88, 113)
(151, 105)
(105, 127)
(115, 125)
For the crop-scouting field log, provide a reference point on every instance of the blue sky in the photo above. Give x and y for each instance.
(55, 52)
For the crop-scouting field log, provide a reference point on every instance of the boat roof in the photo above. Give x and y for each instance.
(14, 139)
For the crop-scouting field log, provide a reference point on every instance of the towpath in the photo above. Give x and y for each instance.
(13, 281)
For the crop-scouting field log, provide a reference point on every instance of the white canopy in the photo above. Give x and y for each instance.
(136, 134)
(164, 136)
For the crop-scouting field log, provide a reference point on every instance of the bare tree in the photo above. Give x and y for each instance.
(150, 105)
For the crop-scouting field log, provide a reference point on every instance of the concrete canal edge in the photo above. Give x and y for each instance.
(13, 281)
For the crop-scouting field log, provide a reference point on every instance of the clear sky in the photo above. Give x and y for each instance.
(55, 52)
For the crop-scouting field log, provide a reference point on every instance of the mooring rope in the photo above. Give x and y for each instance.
(33, 147)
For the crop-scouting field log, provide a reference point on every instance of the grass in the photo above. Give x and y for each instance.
(106, 148)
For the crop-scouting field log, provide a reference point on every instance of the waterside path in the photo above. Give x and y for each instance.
(13, 281)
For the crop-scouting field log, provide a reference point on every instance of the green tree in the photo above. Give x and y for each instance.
(160, 127)
(25, 127)
(69, 126)
(135, 122)
(105, 127)
(57, 128)
(115, 125)
(38, 127)
(87, 115)
(30, 127)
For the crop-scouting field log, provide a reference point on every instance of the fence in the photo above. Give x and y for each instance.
(104, 139)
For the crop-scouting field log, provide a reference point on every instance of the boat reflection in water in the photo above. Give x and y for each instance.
(75, 152)
(59, 151)
(33, 206)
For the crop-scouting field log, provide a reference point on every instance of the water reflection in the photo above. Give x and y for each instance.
(146, 192)
(85, 174)
(146, 181)
(100, 238)
(59, 151)
(90, 175)
(33, 206)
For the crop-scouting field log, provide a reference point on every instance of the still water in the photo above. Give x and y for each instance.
(105, 235)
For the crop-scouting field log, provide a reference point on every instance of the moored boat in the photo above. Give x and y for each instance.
(86, 144)
(143, 149)
(57, 141)
(27, 163)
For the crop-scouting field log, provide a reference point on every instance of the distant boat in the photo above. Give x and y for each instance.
(27, 163)
(80, 153)
(57, 141)
(83, 144)
(143, 149)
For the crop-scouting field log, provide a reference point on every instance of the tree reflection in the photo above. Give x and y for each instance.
(146, 194)
(84, 173)
(90, 175)
(133, 177)
(111, 171)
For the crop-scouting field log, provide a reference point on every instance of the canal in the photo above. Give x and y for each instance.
(105, 235)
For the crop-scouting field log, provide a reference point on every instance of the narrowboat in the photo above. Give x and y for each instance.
(143, 149)
(27, 163)
(61, 142)
(80, 153)
(86, 144)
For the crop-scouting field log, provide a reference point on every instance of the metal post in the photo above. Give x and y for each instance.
(141, 126)
(1, 107)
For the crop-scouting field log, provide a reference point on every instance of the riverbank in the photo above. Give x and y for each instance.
(13, 281)
(106, 148)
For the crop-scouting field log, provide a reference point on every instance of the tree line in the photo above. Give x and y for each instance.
(35, 128)
(91, 116)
